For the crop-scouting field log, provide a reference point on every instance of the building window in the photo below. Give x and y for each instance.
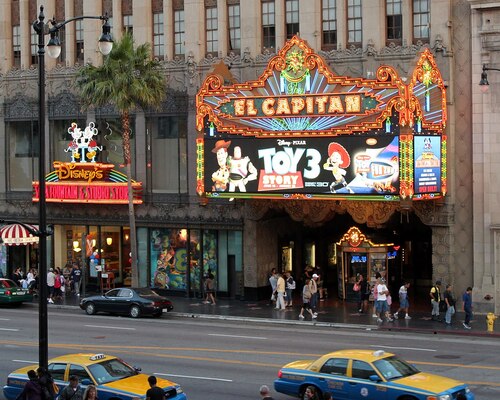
(16, 45)
(168, 139)
(329, 25)
(354, 23)
(79, 41)
(268, 25)
(394, 21)
(233, 12)
(211, 30)
(421, 20)
(34, 48)
(292, 18)
(158, 36)
(23, 148)
(128, 24)
(179, 32)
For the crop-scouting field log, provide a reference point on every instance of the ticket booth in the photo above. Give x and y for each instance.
(356, 254)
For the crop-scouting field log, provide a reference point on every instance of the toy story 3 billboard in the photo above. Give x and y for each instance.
(301, 132)
(83, 180)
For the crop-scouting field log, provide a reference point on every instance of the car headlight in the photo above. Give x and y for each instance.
(444, 397)
(467, 390)
(179, 390)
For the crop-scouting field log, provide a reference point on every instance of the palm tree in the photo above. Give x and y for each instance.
(129, 78)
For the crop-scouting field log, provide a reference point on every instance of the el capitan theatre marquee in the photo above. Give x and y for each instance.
(83, 180)
(301, 132)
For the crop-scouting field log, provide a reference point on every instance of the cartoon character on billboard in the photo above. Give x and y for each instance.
(220, 177)
(241, 171)
(338, 159)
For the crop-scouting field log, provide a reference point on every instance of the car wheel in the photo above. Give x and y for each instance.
(90, 308)
(407, 398)
(158, 314)
(135, 311)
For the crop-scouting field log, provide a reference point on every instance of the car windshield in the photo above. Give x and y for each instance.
(111, 370)
(146, 292)
(394, 368)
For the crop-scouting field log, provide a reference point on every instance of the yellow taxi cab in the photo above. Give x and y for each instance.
(366, 374)
(114, 378)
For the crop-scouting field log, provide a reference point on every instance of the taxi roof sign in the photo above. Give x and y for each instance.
(96, 357)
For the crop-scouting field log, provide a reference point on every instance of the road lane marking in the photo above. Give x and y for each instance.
(402, 348)
(25, 361)
(194, 377)
(238, 337)
(9, 329)
(110, 327)
(4, 319)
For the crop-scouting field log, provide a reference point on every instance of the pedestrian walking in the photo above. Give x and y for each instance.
(265, 393)
(290, 287)
(76, 277)
(378, 277)
(90, 393)
(467, 299)
(57, 285)
(306, 301)
(280, 292)
(210, 288)
(381, 305)
(73, 391)
(435, 294)
(32, 389)
(51, 277)
(154, 392)
(273, 281)
(450, 304)
(313, 288)
(404, 304)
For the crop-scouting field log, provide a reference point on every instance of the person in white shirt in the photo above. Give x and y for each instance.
(51, 279)
(404, 304)
(381, 305)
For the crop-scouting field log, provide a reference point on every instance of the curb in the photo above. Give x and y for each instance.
(337, 325)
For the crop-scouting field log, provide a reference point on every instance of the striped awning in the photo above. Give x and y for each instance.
(17, 234)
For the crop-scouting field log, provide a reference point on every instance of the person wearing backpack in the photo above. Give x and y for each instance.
(46, 383)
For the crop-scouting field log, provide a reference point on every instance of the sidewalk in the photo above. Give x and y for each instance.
(331, 312)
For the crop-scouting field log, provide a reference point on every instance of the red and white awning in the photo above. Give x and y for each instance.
(17, 234)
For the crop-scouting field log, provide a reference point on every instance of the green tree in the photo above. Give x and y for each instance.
(128, 78)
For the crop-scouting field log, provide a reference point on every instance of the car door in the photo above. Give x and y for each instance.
(334, 379)
(360, 384)
(107, 303)
(124, 300)
(58, 373)
(82, 374)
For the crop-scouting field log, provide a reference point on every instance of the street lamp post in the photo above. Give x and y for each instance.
(53, 49)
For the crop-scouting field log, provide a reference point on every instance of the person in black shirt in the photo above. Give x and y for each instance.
(155, 393)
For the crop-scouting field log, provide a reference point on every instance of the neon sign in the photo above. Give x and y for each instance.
(301, 132)
(83, 180)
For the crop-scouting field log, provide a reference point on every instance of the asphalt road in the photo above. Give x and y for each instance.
(223, 360)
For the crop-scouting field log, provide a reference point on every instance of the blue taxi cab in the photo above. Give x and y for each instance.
(114, 378)
(365, 374)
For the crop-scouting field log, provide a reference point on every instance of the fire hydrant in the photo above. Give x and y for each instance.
(490, 321)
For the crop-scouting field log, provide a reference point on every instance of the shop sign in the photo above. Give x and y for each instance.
(83, 180)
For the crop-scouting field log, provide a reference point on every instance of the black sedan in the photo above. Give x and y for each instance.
(134, 302)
